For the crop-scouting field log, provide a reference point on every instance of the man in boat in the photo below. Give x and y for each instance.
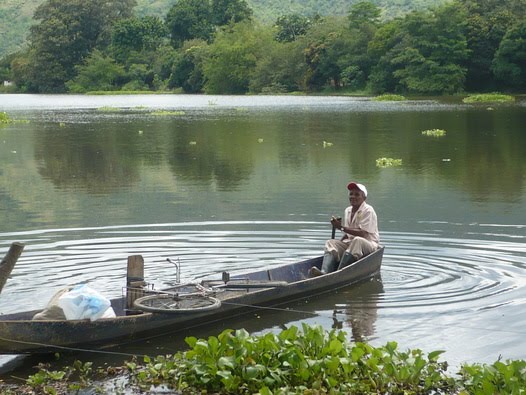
(360, 233)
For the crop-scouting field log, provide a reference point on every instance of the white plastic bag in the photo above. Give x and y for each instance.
(83, 302)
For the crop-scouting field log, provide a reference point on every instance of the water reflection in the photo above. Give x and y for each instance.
(87, 158)
(104, 152)
(360, 309)
(211, 154)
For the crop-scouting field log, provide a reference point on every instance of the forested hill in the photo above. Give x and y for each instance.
(269, 10)
(16, 15)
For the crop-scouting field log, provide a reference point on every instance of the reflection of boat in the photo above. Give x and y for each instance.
(20, 334)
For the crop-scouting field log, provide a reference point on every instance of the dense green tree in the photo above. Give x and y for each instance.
(189, 19)
(20, 71)
(356, 64)
(187, 69)
(230, 11)
(98, 72)
(163, 60)
(425, 55)
(66, 32)
(281, 68)
(141, 46)
(290, 27)
(509, 64)
(5, 68)
(473, 44)
(387, 40)
(327, 43)
(15, 15)
(486, 24)
(364, 14)
(233, 57)
(137, 34)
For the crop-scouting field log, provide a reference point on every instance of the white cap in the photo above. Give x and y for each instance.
(361, 187)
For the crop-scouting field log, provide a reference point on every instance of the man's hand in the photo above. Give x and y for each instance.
(336, 222)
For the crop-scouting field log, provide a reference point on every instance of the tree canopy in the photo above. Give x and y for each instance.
(216, 46)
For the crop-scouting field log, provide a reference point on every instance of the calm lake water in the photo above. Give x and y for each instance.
(234, 183)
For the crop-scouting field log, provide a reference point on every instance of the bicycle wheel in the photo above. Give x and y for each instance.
(173, 304)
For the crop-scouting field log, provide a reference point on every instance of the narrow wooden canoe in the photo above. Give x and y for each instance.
(19, 334)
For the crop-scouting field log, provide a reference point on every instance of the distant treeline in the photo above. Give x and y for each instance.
(16, 15)
(217, 46)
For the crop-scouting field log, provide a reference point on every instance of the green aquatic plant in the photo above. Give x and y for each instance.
(488, 98)
(310, 360)
(389, 97)
(388, 162)
(498, 378)
(109, 109)
(434, 132)
(163, 113)
(291, 362)
(61, 381)
(4, 118)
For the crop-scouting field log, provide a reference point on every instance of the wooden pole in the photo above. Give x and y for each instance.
(9, 261)
(134, 280)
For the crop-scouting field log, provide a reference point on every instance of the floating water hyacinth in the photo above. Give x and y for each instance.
(388, 162)
(488, 98)
(389, 97)
(4, 118)
(434, 132)
(109, 109)
(167, 113)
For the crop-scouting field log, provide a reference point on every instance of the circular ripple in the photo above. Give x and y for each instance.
(448, 275)
(420, 270)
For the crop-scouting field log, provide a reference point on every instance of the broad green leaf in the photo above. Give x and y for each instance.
(433, 356)
(226, 362)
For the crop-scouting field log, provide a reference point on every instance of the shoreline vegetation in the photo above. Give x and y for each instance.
(308, 361)
(220, 47)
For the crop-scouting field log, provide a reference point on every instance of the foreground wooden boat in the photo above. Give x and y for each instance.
(19, 334)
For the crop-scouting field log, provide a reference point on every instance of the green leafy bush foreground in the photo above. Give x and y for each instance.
(311, 361)
(293, 362)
